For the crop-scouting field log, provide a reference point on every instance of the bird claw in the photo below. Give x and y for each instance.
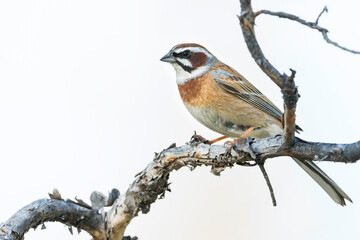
(196, 138)
(227, 153)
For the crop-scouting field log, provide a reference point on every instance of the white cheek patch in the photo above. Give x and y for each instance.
(185, 62)
(183, 76)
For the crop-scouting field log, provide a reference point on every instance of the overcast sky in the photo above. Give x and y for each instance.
(85, 103)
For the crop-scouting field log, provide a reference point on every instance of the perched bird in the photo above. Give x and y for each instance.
(224, 101)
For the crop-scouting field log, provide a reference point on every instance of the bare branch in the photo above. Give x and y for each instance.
(290, 96)
(152, 183)
(313, 25)
(50, 210)
(286, 83)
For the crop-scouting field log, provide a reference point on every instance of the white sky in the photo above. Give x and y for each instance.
(85, 103)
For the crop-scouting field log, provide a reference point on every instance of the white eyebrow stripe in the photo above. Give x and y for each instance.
(192, 49)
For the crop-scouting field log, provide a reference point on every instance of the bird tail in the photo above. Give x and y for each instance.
(330, 187)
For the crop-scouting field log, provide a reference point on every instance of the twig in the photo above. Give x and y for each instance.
(313, 25)
(268, 183)
(336, 44)
(325, 9)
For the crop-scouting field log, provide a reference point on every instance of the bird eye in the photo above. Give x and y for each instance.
(185, 54)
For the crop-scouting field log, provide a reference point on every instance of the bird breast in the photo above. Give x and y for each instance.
(223, 112)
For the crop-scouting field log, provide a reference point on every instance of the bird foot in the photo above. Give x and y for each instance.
(240, 145)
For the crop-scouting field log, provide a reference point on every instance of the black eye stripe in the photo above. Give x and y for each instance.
(184, 54)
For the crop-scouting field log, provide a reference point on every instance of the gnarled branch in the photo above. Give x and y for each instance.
(152, 183)
(51, 210)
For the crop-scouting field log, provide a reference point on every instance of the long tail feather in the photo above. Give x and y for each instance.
(330, 187)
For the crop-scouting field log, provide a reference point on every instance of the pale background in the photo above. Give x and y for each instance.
(85, 103)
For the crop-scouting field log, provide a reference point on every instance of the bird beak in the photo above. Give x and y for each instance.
(168, 58)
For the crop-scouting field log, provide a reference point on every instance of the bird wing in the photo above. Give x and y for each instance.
(231, 81)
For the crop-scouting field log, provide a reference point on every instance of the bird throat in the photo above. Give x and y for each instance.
(190, 91)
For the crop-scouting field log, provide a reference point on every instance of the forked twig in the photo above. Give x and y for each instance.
(313, 25)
